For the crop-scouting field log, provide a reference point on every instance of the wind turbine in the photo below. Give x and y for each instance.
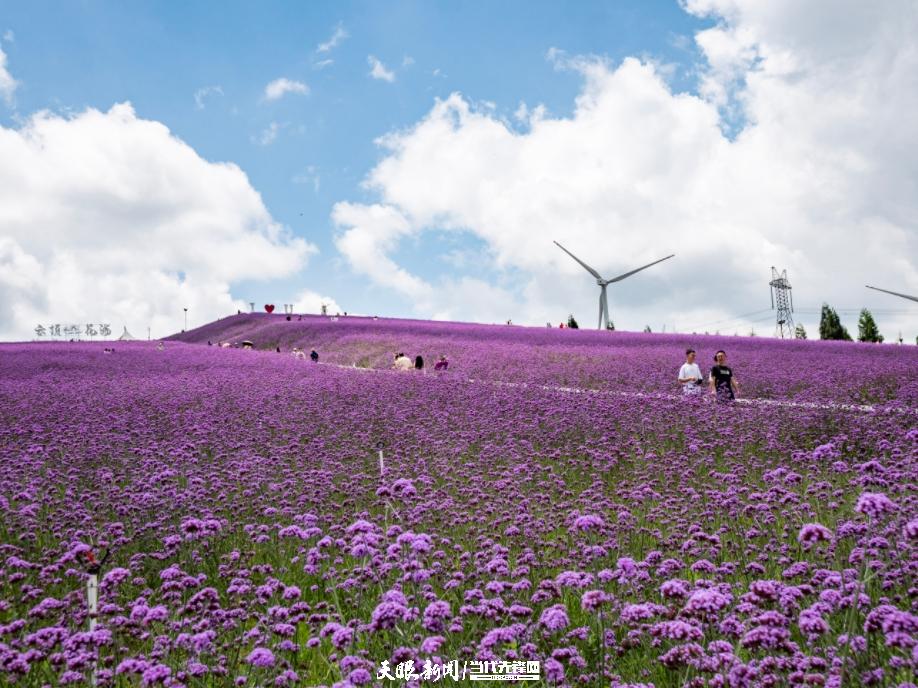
(894, 293)
(603, 283)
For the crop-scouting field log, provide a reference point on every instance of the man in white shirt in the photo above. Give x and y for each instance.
(690, 375)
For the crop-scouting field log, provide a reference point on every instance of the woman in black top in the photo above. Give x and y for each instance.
(418, 362)
(723, 384)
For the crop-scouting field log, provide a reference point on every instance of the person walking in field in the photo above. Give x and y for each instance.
(442, 363)
(690, 375)
(314, 355)
(419, 362)
(722, 382)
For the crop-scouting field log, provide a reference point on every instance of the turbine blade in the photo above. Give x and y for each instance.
(587, 267)
(894, 293)
(644, 267)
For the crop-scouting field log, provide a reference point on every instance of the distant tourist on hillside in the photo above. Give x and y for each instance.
(314, 355)
(442, 363)
(690, 375)
(419, 362)
(402, 362)
(723, 383)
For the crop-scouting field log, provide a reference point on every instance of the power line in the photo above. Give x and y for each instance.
(733, 318)
(744, 318)
(884, 311)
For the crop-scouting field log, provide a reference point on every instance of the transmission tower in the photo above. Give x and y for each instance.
(781, 295)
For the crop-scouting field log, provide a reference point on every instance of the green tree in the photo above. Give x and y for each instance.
(830, 326)
(572, 323)
(867, 330)
(647, 329)
(799, 332)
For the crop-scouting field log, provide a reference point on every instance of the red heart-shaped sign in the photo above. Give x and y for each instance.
(269, 307)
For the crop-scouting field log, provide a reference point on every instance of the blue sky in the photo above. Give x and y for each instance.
(70, 56)
(201, 69)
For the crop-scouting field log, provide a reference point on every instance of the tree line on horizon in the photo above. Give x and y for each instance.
(831, 328)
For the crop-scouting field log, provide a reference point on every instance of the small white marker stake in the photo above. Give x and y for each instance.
(92, 598)
(382, 466)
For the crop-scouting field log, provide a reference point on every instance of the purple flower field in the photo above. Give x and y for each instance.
(618, 539)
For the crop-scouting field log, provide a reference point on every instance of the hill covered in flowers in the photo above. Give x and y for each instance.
(806, 371)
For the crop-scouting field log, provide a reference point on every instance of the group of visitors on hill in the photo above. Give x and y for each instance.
(402, 362)
(721, 381)
(298, 353)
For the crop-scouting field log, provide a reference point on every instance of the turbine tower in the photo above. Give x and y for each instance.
(603, 283)
(781, 292)
(894, 293)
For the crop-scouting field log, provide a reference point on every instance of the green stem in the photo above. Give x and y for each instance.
(850, 616)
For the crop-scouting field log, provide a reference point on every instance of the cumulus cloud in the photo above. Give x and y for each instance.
(278, 88)
(108, 217)
(818, 177)
(311, 302)
(378, 70)
(339, 34)
(8, 84)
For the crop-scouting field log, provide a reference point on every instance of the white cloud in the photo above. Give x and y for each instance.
(280, 87)
(407, 61)
(108, 217)
(311, 302)
(268, 135)
(378, 70)
(322, 64)
(372, 232)
(820, 179)
(7, 83)
(202, 93)
(339, 35)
